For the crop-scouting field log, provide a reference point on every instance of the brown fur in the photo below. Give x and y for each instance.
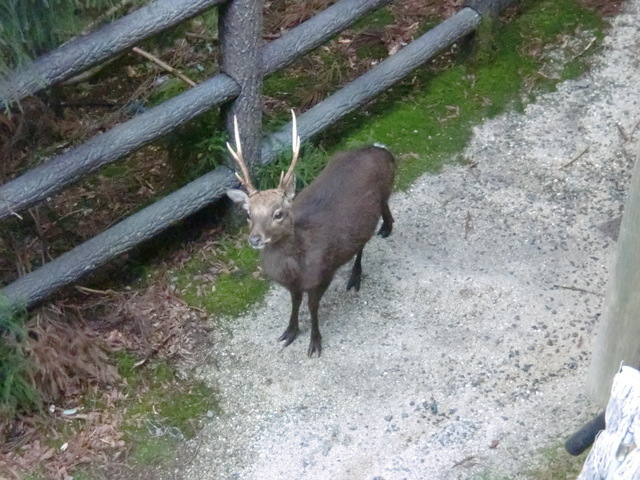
(304, 241)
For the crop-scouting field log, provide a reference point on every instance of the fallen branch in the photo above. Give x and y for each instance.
(197, 36)
(87, 74)
(586, 149)
(105, 15)
(463, 461)
(577, 289)
(164, 66)
(623, 134)
(88, 290)
(593, 40)
(154, 350)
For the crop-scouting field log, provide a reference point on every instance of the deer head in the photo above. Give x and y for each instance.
(269, 211)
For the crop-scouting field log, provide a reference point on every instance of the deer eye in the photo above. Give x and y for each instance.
(278, 215)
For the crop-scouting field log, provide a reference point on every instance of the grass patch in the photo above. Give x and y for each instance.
(17, 389)
(315, 160)
(429, 119)
(197, 147)
(223, 281)
(377, 19)
(555, 464)
(162, 409)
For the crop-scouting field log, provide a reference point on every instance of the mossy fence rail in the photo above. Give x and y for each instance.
(244, 62)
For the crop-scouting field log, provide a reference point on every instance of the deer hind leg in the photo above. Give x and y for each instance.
(315, 345)
(356, 273)
(290, 334)
(387, 221)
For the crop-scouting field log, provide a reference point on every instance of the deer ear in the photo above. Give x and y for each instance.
(239, 197)
(290, 188)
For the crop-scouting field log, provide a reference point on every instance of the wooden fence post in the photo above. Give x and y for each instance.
(618, 338)
(240, 32)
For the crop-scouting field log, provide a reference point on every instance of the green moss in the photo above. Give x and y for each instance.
(153, 451)
(377, 19)
(547, 19)
(162, 409)
(280, 84)
(115, 170)
(151, 383)
(232, 289)
(171, 87)
(429, 119)
(489, 476)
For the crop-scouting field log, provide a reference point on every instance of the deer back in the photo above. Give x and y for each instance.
(338, 212)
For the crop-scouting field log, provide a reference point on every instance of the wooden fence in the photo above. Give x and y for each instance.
(245, 61)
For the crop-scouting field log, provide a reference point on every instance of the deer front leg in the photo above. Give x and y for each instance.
(315, 345)
(292, 330)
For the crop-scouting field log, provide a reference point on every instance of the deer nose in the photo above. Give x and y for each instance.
(255, 241)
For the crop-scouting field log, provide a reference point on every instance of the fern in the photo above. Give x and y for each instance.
(29, 28)
(17, 391)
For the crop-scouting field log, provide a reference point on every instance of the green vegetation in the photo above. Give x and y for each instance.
(17, 391)
(28, 29)
(378, 19)
(224, 282)
(197, 147)
(556, 464)
(314, 161)
(162, 410)
(428, 121)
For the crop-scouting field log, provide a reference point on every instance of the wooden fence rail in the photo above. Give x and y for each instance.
(69, 267)
(87, 50)
(123, 139)
(376, 80)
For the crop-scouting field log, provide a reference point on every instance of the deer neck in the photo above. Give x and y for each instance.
(282, 262)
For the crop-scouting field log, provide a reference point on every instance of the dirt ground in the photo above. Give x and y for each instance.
(466, 350)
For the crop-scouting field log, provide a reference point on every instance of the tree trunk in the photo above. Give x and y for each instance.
(618, 338)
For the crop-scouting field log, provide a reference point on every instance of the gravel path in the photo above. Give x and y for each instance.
(466, 349)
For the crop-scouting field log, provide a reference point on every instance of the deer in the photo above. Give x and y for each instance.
(303, 239)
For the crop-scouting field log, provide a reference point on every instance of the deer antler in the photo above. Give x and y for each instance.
(295, 146)
(245, 179)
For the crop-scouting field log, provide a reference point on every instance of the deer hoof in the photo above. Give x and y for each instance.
(354, 282)
(384, 231)
(288, 336)
(315, 346)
